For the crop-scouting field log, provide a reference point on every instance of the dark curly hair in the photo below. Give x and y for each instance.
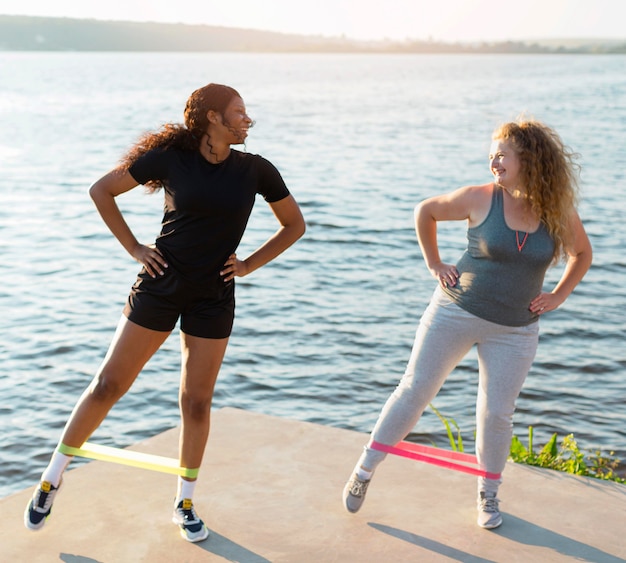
(214, 97)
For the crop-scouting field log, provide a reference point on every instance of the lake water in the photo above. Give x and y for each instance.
(323, 333)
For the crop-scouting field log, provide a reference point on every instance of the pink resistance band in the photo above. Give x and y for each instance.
(431, 455)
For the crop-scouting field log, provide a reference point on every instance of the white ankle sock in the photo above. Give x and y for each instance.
(363, 474)
(185, 490)
(56, 467)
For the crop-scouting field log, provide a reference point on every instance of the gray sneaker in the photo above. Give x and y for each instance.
(488, 511)
(354, 493)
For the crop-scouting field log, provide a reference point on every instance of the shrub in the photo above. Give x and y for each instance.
(567, 458)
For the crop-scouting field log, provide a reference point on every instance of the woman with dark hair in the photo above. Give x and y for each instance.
(492, 298)
(188, 274)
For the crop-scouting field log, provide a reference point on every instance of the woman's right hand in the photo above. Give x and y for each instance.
(445, 274)
(151, 259)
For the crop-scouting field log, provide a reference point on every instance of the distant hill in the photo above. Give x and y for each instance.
(25, 33)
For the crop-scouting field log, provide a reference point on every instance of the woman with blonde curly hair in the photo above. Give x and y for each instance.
(187, 275)
(518, 225)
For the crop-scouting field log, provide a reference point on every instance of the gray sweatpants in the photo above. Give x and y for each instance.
(444, 336)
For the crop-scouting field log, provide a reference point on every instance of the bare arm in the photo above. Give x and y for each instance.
(103, 192)
(291, 228)
(462, 204)
(579, 260)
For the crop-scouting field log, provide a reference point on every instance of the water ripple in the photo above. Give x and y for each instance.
(323, 333)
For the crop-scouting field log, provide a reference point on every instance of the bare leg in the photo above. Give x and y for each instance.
(131, 348)
(201, 362)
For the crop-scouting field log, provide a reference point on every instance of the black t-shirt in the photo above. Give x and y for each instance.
(207, 206)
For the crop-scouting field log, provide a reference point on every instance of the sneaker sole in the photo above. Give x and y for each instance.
(205, 534)
(496, 524)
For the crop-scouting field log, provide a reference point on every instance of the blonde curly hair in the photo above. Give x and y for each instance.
(550, 174)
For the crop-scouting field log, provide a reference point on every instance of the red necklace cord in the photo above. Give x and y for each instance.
(520, 245)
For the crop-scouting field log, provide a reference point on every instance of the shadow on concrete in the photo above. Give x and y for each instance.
(229, 550)
(515, 530)
(70, 558)
(526, 533)
(431, 545)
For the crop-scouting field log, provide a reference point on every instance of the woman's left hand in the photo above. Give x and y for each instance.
(544, 303)
(234, 268)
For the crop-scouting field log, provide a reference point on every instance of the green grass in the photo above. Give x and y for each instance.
(566, 456)
(455, 444)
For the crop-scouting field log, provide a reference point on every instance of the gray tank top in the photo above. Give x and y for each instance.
(497, 280)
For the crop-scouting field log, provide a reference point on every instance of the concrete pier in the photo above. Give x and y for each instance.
(270, 491)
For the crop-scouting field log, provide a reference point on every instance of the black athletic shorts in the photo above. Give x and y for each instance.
(158, 303)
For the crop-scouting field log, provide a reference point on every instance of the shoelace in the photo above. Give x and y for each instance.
(46, 496)
(359, 487)
(189, 514)
(489, 504)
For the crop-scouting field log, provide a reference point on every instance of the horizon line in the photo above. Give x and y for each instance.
(342, 37)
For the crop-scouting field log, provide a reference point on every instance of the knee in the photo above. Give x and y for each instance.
(195, 408)
(105, 389)
(498, 419)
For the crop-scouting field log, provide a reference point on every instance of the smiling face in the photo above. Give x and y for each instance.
(233, 125)
(505, 164)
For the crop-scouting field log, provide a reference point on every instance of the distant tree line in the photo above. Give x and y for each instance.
(25, 33)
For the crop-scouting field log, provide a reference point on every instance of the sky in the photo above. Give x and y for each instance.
(443, 20)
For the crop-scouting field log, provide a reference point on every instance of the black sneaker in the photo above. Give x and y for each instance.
(191, 527)
(40, 506)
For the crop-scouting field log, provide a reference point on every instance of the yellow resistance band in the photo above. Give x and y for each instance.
(128, 457)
